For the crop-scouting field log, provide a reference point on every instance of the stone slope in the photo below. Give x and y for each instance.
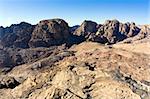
(85, 71)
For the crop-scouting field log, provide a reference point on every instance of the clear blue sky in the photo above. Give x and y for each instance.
(74, 11)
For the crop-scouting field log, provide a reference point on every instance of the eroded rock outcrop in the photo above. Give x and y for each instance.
(112, 31)
(17, 35)
(86, 28)
(142, 36)
(5, 59)
(49, 33)
(11, 57)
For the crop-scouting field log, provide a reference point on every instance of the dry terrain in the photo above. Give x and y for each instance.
(88, 70)
(51, 60)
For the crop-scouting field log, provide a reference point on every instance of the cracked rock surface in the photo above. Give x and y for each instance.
(84, 71)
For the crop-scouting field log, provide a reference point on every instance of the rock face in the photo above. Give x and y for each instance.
(1, 31)
(17, 35)
(50, 32)
(5, 59)
(11, 57)
(112, 31)
(142, 36)
(86, 28)
(73, 28)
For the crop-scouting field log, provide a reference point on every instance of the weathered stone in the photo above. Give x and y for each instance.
(112, 31)
(5, 59)
(86, 28)
(17, 35)
(8, 82)
(1, 32)
(49, 33)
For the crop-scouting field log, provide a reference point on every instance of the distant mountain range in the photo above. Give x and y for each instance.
(18, 39)
(56, 31)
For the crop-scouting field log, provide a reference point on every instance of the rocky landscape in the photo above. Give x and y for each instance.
(51, 60)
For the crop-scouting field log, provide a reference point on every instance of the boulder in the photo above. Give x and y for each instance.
(8, 82)
(49, 33)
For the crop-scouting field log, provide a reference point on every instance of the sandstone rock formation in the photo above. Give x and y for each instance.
(49, 33)
(86, 28)
(142, 36)
(113, 31)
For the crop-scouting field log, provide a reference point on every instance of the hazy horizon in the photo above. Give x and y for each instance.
(74, 11)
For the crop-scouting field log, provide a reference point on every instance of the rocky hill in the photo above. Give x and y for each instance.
(51, 60)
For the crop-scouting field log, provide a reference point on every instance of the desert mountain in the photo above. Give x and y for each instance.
(51, 60)
(18, 40)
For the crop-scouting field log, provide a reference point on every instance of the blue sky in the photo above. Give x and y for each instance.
(74, 11)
